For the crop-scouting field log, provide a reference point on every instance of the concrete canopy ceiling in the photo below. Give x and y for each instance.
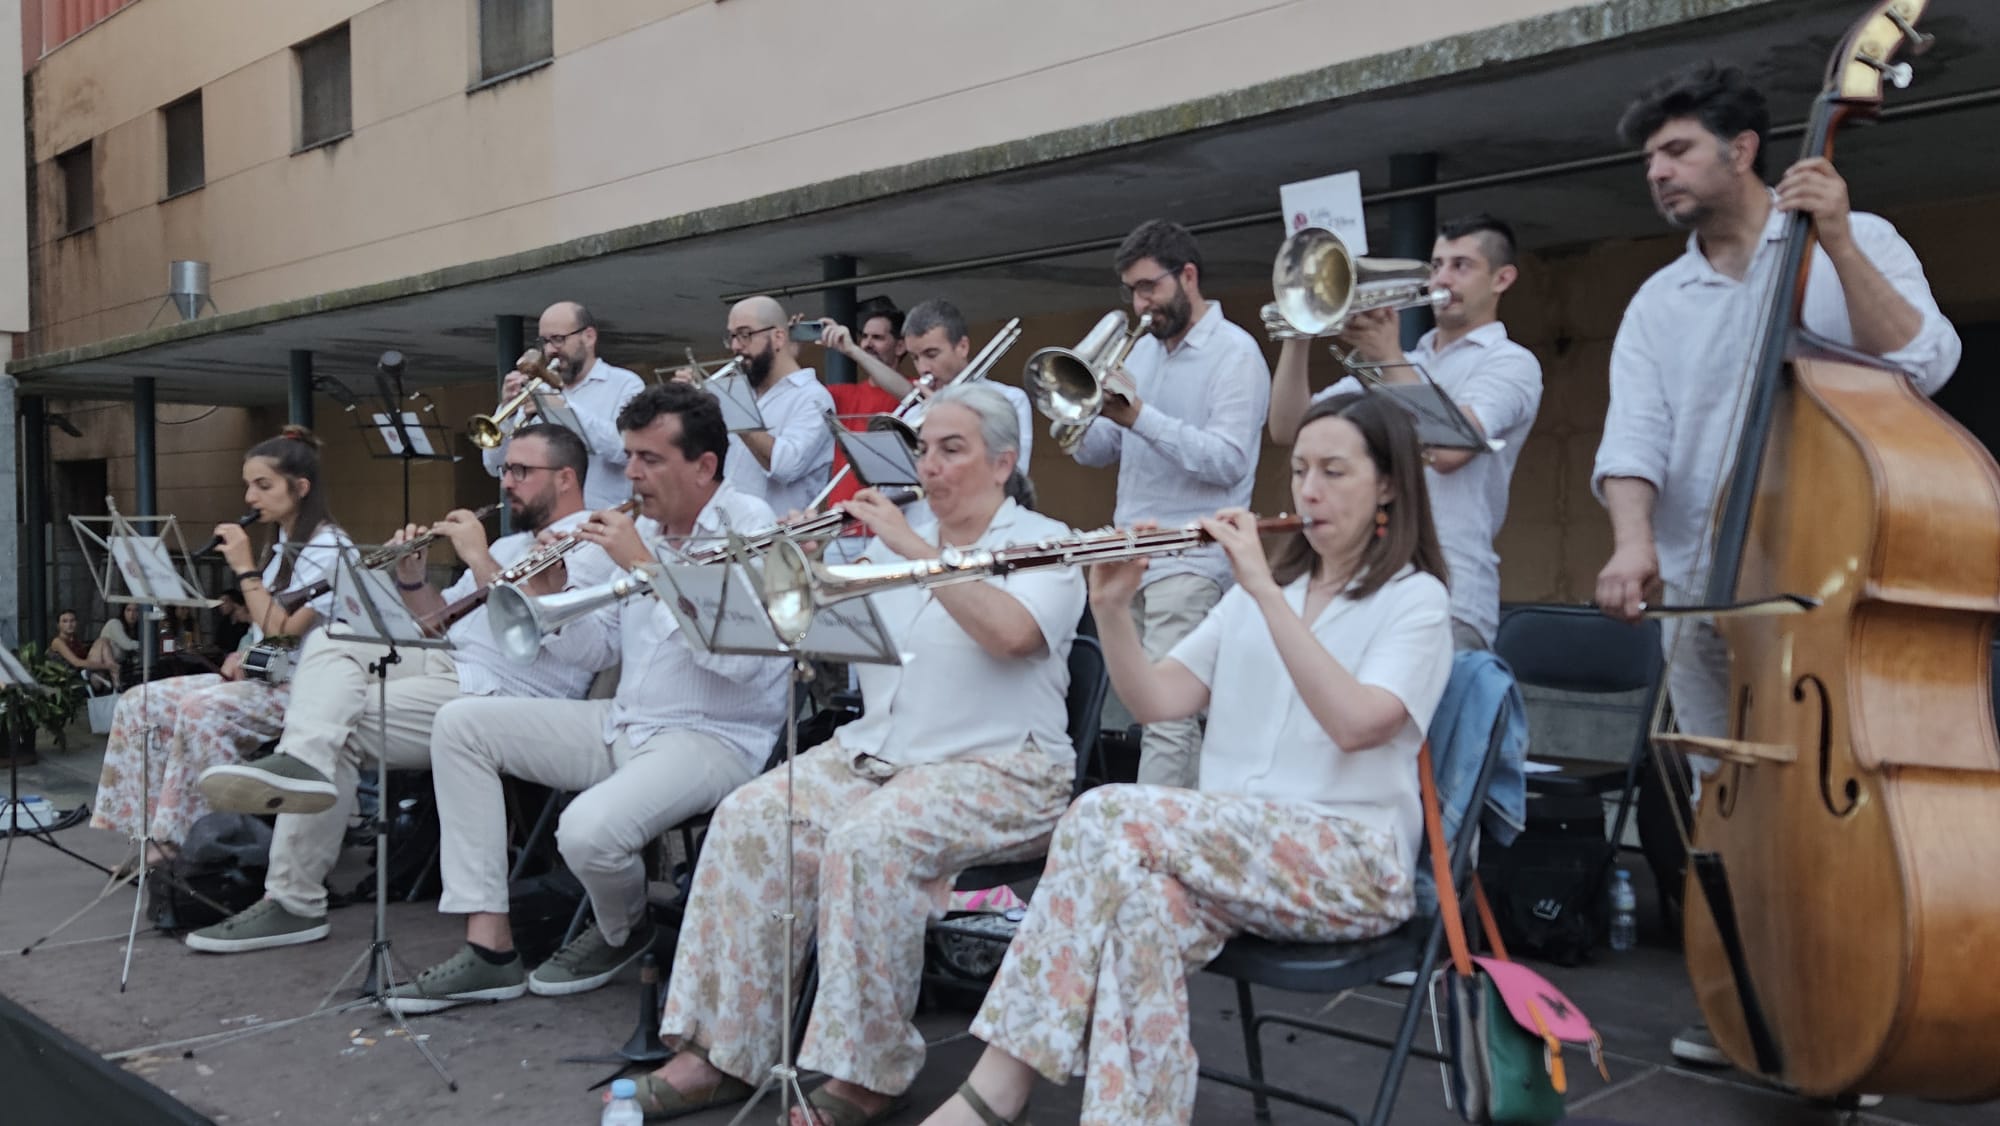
(652, 300)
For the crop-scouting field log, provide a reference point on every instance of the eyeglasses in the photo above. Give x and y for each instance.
(746, 335)
(555, 339)
(1146, 286)
(515, 471)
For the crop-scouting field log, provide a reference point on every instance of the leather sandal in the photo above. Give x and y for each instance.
(985, 1113)
(660, 1100)
(829, 1109)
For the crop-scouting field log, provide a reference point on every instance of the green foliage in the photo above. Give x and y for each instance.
(52, 710)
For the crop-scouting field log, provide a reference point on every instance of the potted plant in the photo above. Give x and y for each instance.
(27, 710)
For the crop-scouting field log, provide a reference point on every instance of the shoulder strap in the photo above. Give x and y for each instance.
(1447, 891)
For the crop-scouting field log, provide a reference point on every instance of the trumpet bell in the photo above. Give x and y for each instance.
(788, 591)
(484, 432)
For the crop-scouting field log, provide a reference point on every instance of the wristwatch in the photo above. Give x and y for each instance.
(418, 585)
(242, 575)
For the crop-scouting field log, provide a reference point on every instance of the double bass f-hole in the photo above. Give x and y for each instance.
(1849, 796)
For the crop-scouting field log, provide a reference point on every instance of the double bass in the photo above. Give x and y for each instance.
(1843, 899)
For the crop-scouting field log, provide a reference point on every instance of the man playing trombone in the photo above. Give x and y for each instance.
(332, 727)
(1496, 382)
(787, 461)
(1184, 432)
(592, 388)
(685, 728)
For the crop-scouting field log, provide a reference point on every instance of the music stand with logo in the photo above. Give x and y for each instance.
(720, 609)
(131, 559)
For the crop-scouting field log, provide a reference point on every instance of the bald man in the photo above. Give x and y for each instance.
(790, 460)
(594, 389)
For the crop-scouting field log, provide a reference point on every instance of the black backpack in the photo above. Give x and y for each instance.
(1549, 887)
(218, 872)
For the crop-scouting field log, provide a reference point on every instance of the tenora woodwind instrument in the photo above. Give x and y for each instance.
(527, 567)
(795, 587)
(384, 556)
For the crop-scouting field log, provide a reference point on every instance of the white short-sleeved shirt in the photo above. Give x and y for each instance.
(1680, 363)
(951, 698)
(483, 670)
(1261, 740)
(314, 561)
(1500, 382)
(794, 410)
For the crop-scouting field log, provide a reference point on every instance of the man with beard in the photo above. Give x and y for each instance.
(788, 461)
(595, 390)
(686, 727)
(332, 728)
(1186, 442)
(1683, 352)
(1495, 381)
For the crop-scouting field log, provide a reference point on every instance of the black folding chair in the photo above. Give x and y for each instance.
(1577, 649)
(1330, 967)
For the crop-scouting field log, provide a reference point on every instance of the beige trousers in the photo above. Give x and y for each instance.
(630, 794)
(1166, 611)
(335, 726)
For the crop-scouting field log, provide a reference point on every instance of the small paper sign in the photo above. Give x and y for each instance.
(1332, 202)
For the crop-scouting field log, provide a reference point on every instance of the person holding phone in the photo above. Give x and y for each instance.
(787, 462)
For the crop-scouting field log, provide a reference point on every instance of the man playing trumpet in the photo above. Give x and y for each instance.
(786, 462)
(685, 728)
(592, 388)
(1186, 442)
(332, 727)
(1496, 382)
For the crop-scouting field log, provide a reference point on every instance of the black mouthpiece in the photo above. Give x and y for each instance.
(242, 521)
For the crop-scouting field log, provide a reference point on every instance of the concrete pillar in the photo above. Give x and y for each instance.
(509, 341)
(1413, 228)
(30, 613)
(300, 399)
(145, 452)
(838, 303)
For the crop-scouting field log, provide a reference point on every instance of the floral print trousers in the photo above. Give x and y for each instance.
(198, 722)
(1143, 886)
(876, 849)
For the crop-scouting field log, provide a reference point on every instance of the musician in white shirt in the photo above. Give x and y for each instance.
(962, 757)
(1320, 670)
(336, 721)
(789, 460)
(1186, 444)
(594, 389)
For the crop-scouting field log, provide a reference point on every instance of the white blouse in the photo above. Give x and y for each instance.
(313, 562)
(950, 698)
(1261, 740)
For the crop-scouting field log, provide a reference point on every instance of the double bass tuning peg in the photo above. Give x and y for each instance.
(1917, 41)
(1898, 74)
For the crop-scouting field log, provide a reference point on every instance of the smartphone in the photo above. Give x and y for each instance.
(807, 332)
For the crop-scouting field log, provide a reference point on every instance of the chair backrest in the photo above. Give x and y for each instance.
(1577, 649)
(1088, 683)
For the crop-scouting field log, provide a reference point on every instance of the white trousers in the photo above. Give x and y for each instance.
(1166, 611)
(335, 726)
(630, 794)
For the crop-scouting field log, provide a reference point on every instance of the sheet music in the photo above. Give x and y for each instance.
(879, 457)
(739, 403)
(552, 408)
(720, 610)
(148, 569)
(366, 606)
(1440, 422)
(420, 442)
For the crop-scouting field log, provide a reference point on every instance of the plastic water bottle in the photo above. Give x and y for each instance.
(1624, 913)
(623, 1109)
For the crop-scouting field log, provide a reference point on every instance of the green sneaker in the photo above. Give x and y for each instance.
(462, 978)
(589, 961)
(272, 784)
(260, 926)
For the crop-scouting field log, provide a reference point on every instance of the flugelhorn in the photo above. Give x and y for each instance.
(1068, 385)
(1318, 283)
(796, 588)
(520, 620)
(487, 430)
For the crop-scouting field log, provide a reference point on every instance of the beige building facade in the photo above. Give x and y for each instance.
(412, 173)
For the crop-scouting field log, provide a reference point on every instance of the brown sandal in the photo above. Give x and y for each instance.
(829, 1109)
(986, 1113)
(660, 1100)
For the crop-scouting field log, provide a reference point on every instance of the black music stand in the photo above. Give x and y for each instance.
(135, 556)
(721, 609)
(13, 673)
(738, 399)
(1439, 420)
(395, 431)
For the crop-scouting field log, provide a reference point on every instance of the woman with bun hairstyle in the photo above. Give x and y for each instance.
(202, 720)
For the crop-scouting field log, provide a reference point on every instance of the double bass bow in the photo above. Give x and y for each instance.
(1842, 905)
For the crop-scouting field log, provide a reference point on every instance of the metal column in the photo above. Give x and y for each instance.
(301, 397)
(508, 343)
(838, 303)
(145, 470)
(1413, 227)
(35, 523)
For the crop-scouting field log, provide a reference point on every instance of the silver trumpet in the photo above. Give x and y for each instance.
(521, 620)
(1318, 284)
(723, 369)
(1068, 385)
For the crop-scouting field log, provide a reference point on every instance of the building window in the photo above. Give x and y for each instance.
(326, 89)
(514, 35)
(185, 169)
(78, 189)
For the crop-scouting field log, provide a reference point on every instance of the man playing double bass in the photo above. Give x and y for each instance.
(1681, 362)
